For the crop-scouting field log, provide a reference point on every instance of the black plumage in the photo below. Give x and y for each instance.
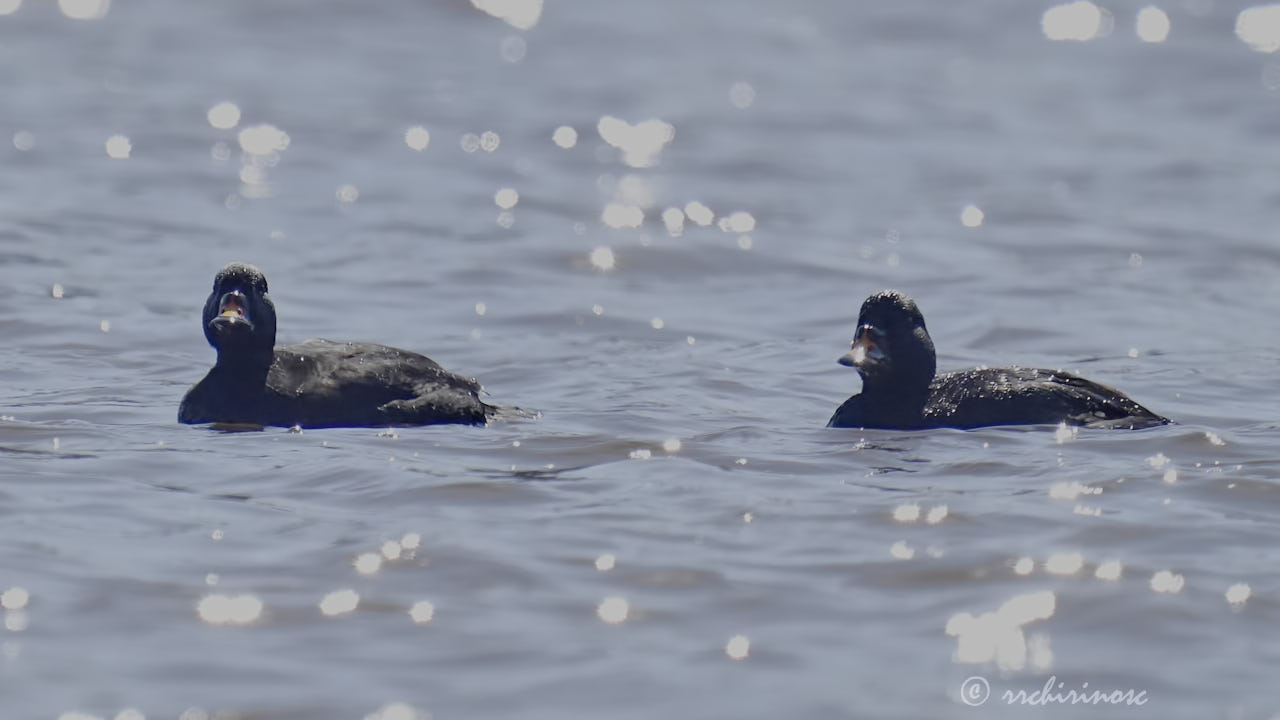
(894, 354)
(317, 383)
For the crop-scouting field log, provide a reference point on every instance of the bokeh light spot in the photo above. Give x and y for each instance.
(613, 610)
(1152, 25)
(602, 258)
(119, 147)
(700, 214)
(1078, 21)
(339, 602)
(84, 9)
(229, 609)
(506, 198)
(224, 115)
(368, 563)
(639, 143)
(422, 612)
(519, 14)
(565, 137)
(417, 138)
(263, 139)
(1166, 581)
(1259, 27)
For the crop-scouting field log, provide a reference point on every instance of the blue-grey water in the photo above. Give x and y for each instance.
(677, 535)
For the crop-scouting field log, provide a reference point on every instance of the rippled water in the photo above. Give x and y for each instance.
(678, 535)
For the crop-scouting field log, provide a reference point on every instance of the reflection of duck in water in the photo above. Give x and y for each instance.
(894, 355)
(318, 383)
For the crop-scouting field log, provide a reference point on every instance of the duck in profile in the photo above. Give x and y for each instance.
(894, 355)
(318, 383)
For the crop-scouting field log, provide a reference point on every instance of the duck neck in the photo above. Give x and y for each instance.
(249, 368)
(898, 399)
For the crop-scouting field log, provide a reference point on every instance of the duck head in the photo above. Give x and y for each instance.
(239, 317)
(891, 348)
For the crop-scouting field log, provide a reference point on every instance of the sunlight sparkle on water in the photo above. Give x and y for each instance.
(263, 139)
(229, 609)
(84, 9)
(602, 258)
(1071, 490)
(673, 219)
(224, 115)
(1079, 21)
(998, 635)
(937, 514)
(391, 550)
(347, 194)
(1024, 566)
(119, 147)
(613, 610)
(339, 602)
(489, 141)
(971, 216)
(1153, 25)
(8, 7)
(739, 222)
(512, 48)
(422, 612)
(1166, 581)
(565, 137)
(606, 562)
(398, 711)
(700, 214)
(738, 647)
(417, 138)
(622, 217)
(506, 198)
(519, 14)
(1064, 563)
(639, 143)
(741, 95)
(1109, 570)
(23, 140)
(411, 541)
(15, 598)
(368, 563)
(657, 323)
(902, 551)
(130, 714)
(907, 513)
(1259, 27)
(1238, 594)
(671, 445)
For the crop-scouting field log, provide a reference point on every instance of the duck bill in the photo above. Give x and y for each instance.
(864, 351)
(232, 313)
